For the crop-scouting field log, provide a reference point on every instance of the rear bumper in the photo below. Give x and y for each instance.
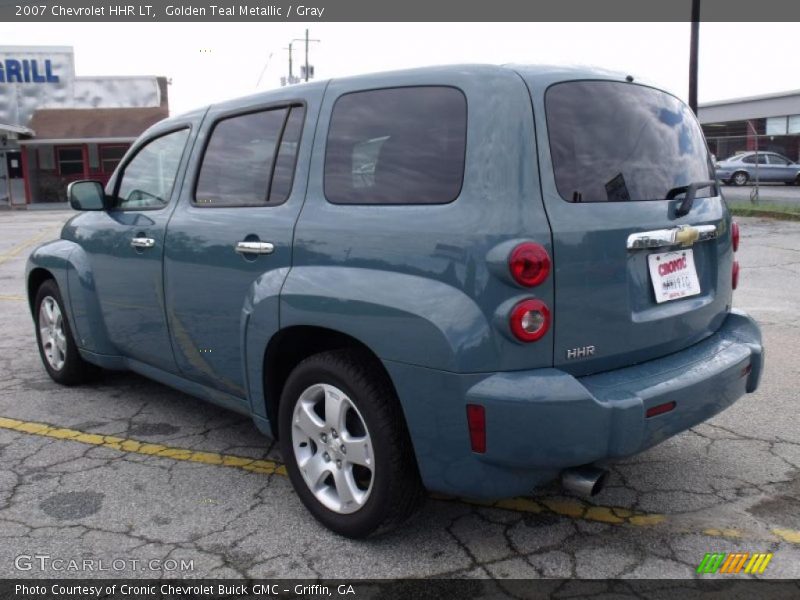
(542, 421)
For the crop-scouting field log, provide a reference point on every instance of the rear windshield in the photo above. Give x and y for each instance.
(613, 141)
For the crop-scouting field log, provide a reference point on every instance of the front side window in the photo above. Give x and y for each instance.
(396, 146)
(148, 179)
(613, 141)
(250, 159)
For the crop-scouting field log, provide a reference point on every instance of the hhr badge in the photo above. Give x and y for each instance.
(582, 352)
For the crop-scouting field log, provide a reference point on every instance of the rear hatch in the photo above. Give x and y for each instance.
(616, 160)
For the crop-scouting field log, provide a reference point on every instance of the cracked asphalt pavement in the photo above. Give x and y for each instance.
(128, 469)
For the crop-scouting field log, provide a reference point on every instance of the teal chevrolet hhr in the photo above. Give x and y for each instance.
(468, 279)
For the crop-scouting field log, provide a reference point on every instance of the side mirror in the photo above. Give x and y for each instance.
(86, 195)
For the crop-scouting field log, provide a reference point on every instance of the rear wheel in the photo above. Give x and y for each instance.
(740, 178)
(58, 350)
(346, 448)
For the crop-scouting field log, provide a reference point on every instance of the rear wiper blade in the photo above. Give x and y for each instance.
(691, 191)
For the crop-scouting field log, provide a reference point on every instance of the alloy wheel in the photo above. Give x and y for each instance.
(51, 333)
(333, 448)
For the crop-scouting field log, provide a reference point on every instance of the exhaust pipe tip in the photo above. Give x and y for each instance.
(586, 480)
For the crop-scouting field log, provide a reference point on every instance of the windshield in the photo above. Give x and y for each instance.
(613, 141)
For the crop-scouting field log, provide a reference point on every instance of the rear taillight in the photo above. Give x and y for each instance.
(476, 419)
(529, 264)
(530, 320)
(735, 274)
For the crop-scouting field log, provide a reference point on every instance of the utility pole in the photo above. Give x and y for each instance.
(306, 40)
(291, 76)
(306, 55)
(693, 49)
(307, 68)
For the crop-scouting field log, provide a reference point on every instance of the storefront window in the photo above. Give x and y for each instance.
(110, 156)
(70, 160)
(776, 126)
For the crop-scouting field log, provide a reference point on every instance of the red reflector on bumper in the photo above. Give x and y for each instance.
(659, 409)
(476, 418)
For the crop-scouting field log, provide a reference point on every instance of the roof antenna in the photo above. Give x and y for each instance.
(629, 78)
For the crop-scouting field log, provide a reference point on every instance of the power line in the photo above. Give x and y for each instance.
(264, 70)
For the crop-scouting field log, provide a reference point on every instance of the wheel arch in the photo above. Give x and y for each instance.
(68, 264)
(291, 345)
(737, 172)
(36, 277)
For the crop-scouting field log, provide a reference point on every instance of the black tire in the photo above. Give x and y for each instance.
(740, 182)
(74, 369)
(396, 490)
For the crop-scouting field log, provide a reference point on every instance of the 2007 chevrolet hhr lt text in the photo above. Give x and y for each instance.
(471, 279)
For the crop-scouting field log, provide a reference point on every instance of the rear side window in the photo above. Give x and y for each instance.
(751, 159)
(283, 174)
(250, 159)
(397, 146)
(613, 141)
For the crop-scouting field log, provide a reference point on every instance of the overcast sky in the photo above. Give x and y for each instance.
(211, 62)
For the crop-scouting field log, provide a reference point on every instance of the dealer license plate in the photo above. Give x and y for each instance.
(673, 275)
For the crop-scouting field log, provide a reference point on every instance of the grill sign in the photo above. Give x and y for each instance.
(27, 71)
(674, 275)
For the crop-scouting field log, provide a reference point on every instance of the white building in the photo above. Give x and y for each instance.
(56, 127)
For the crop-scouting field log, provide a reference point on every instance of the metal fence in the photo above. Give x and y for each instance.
(726, 146)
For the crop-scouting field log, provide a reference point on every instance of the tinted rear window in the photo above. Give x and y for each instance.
(613, 141)
(238, 160)
(396, 146)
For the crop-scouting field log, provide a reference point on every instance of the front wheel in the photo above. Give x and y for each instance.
(58, 350)
(345, 444)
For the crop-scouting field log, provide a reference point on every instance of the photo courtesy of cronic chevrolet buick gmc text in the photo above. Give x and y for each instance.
(470, 279)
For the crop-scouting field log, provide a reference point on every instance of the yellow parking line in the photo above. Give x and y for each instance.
(565, 508)
(570, 508)
(787, 535)
(25, 244)
(11, 298)
(137, 447)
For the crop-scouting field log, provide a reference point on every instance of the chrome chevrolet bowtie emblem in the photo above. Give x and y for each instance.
(685, 235)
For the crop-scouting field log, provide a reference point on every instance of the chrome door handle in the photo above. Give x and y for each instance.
(254, 248)
(143, 242)
(685, 235)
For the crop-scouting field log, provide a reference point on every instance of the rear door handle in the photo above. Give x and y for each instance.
(254, 248)
(143, 242)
